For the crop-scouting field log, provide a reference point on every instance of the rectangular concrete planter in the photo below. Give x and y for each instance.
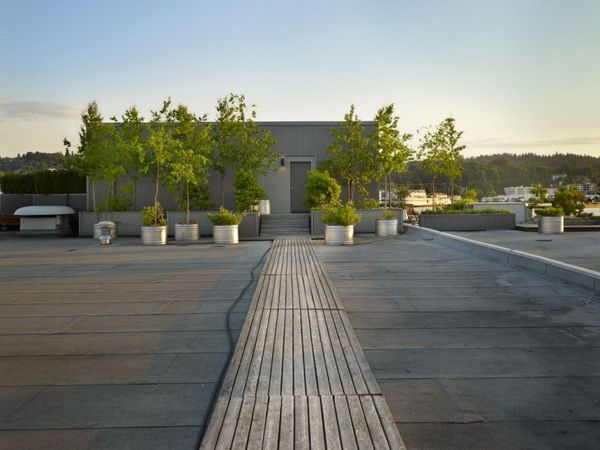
(366, 224)
(128, 222)
(467, 222)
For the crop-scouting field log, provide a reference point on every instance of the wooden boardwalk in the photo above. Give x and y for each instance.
(298, 377)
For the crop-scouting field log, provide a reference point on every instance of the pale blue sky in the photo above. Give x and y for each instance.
(519, 75)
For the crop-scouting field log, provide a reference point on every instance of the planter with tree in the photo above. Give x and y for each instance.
(154, 229)
(339, 220)
(551, 220)
(321, 189)
(225, 226)
(188, 165)
(161, 145)
(391, 155)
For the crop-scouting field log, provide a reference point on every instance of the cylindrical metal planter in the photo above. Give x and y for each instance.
(551, 225)
(154, 235)
(186, 232)
(386, 227)
(339, 235)
(225, 234)
(264, 207)
(112, 226)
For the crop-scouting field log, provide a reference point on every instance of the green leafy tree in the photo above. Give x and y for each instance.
(247, 190)
(569, 199)
(539, 194)
(98, 153)
(392, 151)
(239, 141)
(188, 162)
(402, 192)
(133, 149)
(161, 145)
(321, 189)
(352, 161)
(440, 153)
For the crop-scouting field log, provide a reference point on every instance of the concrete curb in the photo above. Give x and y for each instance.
(580, 276)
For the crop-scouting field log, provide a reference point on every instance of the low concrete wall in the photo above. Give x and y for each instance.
(366, 224)
(580, 276)
(467, 222)
(520, 209)
(9, 203)
(130, 223)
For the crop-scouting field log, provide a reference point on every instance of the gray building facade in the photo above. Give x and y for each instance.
(302, 146)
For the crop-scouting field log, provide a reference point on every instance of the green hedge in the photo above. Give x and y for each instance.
(467, 211)
(45, 182)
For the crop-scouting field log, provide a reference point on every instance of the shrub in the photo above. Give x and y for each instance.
(321, 189)
(458, 205)
(388, 215)
(369, 203)
(467, 211)
(225, 217)
(343, 214)
(247, 190)
(153, 216)
(569, 199)
(550, 212)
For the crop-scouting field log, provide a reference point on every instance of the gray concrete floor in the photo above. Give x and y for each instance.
(470, 353)
(580, 248)
(115, 347)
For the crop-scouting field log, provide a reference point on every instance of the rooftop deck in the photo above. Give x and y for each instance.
(298, 377)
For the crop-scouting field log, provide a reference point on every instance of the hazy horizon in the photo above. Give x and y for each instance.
(518, 76)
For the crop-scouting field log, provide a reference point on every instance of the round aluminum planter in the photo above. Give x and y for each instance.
(186, 232)
(339, 235)
(264, 207)
(154, 235)
(551, 225)
(386, 227)
(113, 227)
(225, 234)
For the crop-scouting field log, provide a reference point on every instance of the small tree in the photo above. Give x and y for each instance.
(353, 161)
(402, 192)
(570, 199)
(161, 145)
(188, 163)
(247, 190)
(392, 151)
(321, 189)
(539, 194)
(239, 141)
(440, 153)
(133, 148)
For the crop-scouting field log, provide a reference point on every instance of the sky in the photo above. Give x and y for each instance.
(517, 75)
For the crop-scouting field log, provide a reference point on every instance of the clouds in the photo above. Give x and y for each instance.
(26, 110)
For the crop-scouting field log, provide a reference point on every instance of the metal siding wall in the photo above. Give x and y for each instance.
(299, 141)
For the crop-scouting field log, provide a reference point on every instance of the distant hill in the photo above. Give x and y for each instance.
(31, 162)
(489, 174)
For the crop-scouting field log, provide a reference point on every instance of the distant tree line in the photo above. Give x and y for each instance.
(43, 182)
(489, 174)
(32, 162)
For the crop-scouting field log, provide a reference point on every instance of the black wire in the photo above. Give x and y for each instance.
(231, 346)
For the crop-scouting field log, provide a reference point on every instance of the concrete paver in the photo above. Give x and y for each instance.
(471, 353)
(106, 347)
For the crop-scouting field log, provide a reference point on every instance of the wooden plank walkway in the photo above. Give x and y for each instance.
(298, 377)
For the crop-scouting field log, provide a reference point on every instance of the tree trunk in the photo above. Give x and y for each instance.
(187, 207)
(222, 189)
(156, 195)
(433, 191)
(94, 200)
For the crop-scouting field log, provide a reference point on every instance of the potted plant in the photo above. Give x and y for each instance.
(226, 224)
(387, 225)
(551, 220)
(340, 219)
(154, 229)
